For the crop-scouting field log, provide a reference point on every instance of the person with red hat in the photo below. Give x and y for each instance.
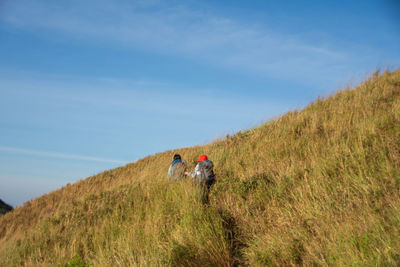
(204, 174)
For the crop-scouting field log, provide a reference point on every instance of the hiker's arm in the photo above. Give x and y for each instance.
(196, 172)
(169, 171)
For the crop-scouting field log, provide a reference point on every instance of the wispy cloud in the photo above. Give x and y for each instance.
(48, 154)
(181, 30)
(114, 94)
(120, 107)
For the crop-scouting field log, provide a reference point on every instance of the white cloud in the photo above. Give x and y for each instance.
(48, 154)
(118, 106)
(129, 96)
(180, 30)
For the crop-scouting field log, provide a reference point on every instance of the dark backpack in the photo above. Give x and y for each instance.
(206, 171)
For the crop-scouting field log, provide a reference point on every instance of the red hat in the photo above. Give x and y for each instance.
(202, 157)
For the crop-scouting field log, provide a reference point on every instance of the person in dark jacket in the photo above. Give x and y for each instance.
(204, 175)
(177, 168)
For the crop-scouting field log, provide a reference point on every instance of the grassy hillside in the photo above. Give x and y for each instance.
(319, 186)
(4, 207)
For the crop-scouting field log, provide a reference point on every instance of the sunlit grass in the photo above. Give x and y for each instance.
(314, 187)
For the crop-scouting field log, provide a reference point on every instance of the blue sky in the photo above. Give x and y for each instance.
(87, 86)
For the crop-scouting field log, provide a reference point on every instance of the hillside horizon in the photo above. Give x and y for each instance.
(318, 186)
(4, 207)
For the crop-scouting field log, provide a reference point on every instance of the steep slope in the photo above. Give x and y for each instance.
(315, 187)
(4, 207)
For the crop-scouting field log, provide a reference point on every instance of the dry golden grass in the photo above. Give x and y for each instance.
(319, 186)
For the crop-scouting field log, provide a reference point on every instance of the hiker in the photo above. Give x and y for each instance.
(177, 168)
(204, 174)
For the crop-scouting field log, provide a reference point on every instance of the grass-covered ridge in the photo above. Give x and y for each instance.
(319, 186)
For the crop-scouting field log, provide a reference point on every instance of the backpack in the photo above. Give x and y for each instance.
(206, 172)
(177, 170)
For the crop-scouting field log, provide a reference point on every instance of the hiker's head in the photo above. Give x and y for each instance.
(202, 158)
(177, 156)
